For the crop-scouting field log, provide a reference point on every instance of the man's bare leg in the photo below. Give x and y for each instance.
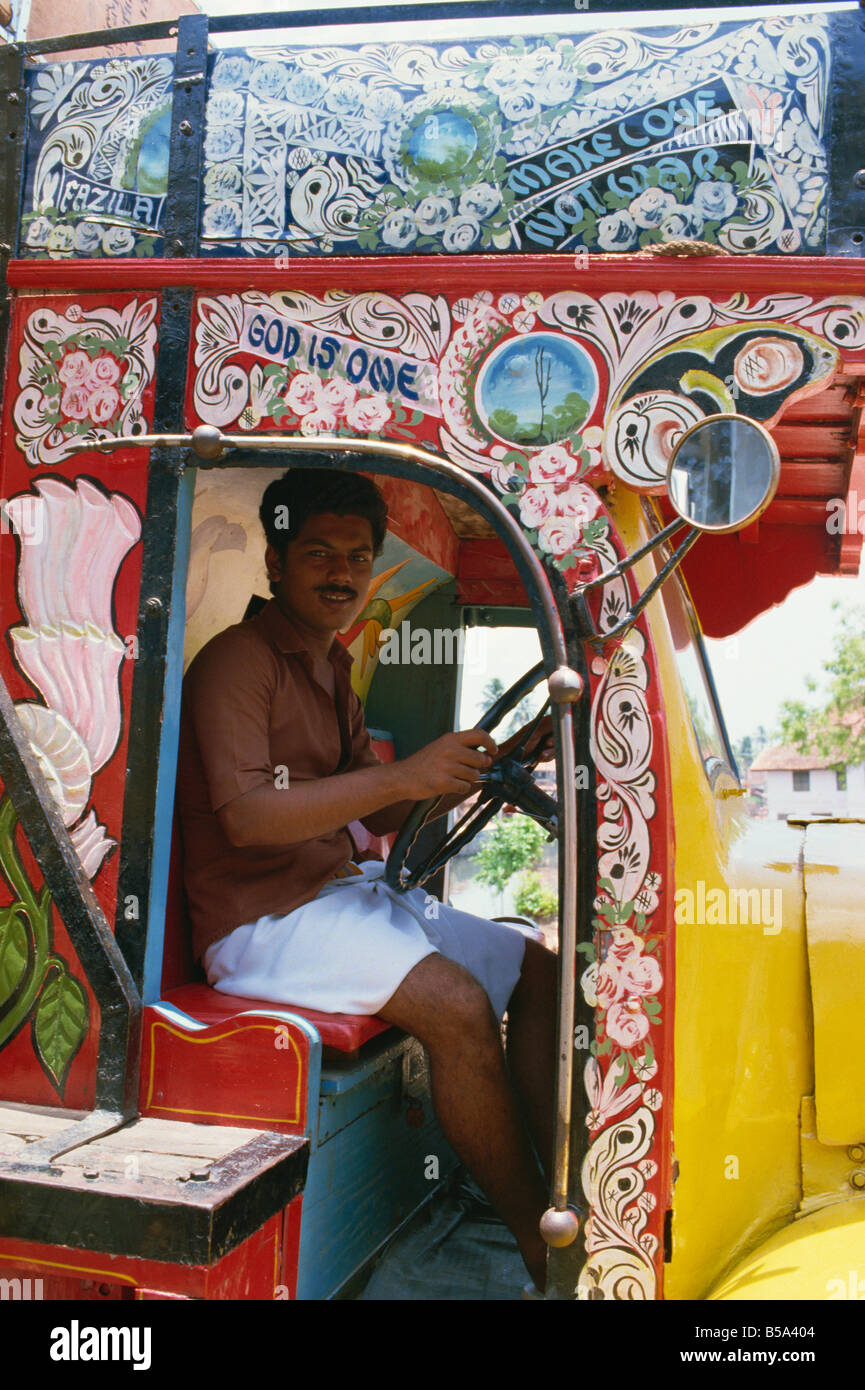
(448, 1011)
(532, 1045)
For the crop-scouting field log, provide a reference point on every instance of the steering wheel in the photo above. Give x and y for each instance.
(507, 781)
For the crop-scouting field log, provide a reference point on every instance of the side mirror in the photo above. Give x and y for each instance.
(723, 473)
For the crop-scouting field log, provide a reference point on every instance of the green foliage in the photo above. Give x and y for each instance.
(60, 1023)
(492, 691)
(34, 983)
(836, 730)
(514, 843)
(532, 899)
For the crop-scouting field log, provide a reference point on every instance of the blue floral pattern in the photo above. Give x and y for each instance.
(96, 161)
(604, 141)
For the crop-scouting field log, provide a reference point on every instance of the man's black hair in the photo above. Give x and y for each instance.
(304, 492)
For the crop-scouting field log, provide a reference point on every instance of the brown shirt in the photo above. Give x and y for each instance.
(251, 708)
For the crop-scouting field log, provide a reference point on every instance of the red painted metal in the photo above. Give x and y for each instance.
(251, 1071)
(709, 275)
(21, 1077)
(261, 1267)
(639, 1225)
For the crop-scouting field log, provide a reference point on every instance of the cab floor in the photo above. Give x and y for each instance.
(454, 1248)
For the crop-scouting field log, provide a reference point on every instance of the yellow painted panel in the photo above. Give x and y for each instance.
(819, 1258)
(743, 1049)
(835, 911)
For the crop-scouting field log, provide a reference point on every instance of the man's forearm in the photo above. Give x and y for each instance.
(391, 819)
(268, 815)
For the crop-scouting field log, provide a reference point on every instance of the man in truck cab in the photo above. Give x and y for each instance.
(275, 762)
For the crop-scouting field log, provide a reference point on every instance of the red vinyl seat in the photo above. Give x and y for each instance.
(343, 1032)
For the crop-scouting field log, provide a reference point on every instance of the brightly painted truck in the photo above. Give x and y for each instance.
(509, 270)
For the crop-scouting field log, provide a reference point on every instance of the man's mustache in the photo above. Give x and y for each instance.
(336, 589)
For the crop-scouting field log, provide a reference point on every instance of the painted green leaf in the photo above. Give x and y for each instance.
(624, 1071)
(60, 1026)
(15, 953)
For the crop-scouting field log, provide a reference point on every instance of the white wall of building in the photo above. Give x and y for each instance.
(823, 796)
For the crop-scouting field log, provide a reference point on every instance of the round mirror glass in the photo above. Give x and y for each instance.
(723, 473)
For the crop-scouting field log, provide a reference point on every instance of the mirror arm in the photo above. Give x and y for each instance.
(627, 561)
(645, 598)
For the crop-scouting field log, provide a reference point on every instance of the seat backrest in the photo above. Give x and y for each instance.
(178, 965)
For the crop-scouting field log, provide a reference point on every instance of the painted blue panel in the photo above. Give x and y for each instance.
(168, 741)
(96, 162)
(369, 1174)
(605, 141)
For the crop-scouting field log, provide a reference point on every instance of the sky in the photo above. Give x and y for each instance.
(770, 660)
(766, 663)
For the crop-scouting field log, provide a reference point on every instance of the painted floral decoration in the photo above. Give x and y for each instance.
(315, 404)
(83, 374)
(74, 539)
(621, 983)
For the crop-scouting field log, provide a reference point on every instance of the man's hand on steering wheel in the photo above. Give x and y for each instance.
(449, 766)
(539, 743)
(457, 765)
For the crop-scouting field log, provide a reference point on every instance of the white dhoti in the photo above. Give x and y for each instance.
(350, 949)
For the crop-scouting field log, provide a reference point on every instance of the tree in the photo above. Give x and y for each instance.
(521, 715)
(492, 691)
(514, 843)
(836, 730)
(543, 371)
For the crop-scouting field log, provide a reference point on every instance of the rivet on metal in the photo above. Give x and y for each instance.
(13, 99)
(857, 1180)
(154, 605)
(859, 178)
(185, 128)
(856, 1153)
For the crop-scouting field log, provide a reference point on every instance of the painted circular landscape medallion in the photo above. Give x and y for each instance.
(536, 390)
(442, 143)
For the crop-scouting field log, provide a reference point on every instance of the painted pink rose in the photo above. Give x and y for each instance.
(75, 402)
(336, 395)
(369, 414)
(302, 393)
(608, 986)
(642, 975)
(104, 372)
(552, 464)
(558, 535)
(319, 422)
(537, 505)
(627, 1025)
(626, 945)
(74, 369)
(576, 500)
(104, 405)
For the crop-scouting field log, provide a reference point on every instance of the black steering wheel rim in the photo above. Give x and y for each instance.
(479, 814)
